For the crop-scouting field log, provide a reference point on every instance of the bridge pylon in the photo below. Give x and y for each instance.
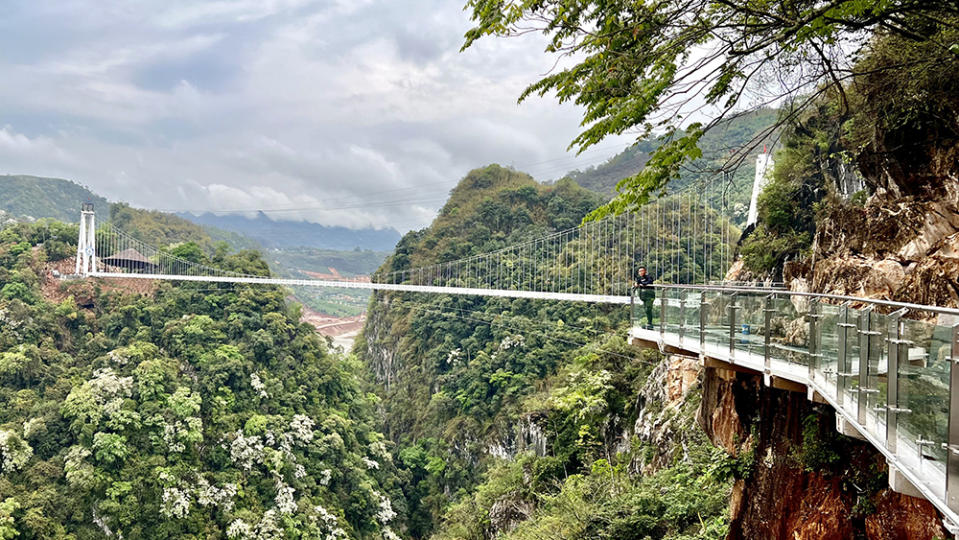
(86, 243)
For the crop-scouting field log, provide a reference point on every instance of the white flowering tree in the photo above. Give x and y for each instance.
(195, 412)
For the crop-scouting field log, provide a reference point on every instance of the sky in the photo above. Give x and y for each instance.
(361, 113)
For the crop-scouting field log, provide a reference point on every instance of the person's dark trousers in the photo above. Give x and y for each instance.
(648, 298)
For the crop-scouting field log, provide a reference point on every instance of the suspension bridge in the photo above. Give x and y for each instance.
(890, 370)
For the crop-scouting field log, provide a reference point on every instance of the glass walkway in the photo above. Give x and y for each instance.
(888, 369)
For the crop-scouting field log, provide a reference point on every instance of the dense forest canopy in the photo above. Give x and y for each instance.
(190, 411)
(36, 197)
(495, 401)
(187, 410)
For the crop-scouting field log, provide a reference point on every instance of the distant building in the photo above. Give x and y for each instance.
(130, 260)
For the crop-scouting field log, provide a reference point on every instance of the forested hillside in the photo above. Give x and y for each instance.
(24, 198)
(162, 229)
(36, 197)
(184, 411)
(725, 145)
(520, 417)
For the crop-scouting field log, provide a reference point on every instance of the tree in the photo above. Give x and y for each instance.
(7, 523)
(642, 65)
(189, 251)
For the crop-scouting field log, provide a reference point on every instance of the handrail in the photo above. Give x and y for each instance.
(893, 382)
(841, 298)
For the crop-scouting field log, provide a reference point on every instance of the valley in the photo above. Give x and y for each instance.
(480, 271)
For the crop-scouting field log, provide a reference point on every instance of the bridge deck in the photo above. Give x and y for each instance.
(892, 382)
(499, 293)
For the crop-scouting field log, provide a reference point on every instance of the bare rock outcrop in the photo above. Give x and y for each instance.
(782, 496)
(897, 247)
(664, 412)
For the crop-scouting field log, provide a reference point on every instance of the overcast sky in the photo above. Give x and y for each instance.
(239, 104)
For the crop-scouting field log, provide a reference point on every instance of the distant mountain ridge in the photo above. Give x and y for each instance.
(289, 234)
(26, 197)
(36, 197)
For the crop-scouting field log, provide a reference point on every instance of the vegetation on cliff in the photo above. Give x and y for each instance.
(195, 411)
(720, 145)
(638, 71)
(506, 410)
(894, 130)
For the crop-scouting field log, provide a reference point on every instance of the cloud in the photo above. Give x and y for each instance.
(222, 105)
(18, 150)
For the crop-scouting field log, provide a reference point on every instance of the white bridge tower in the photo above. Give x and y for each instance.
(764, 163)
(86, 243)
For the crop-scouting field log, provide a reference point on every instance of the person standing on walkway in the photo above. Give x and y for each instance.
(647, 295)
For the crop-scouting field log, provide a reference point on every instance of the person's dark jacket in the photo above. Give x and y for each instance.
(645, 285)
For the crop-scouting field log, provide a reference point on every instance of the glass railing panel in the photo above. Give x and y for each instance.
(716, 329)
(636, 309)
(877, 375)
(828, 328)
(673, 314)
(923, 387)
(644, 299)
(789, 329)
(850, 386)
(750, 317)
(691, 314)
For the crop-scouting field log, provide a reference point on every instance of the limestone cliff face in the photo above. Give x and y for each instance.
(666, 404)
(903, 245)
(805, 481)
(380, 340)
(897, 247)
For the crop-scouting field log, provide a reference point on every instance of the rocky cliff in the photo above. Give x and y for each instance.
(805, 481)
(898, 239)
(902, 245)
(898, 246)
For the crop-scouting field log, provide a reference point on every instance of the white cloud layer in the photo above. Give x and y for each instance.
(315, 106)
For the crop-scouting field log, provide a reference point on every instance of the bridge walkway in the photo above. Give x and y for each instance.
(893, 381)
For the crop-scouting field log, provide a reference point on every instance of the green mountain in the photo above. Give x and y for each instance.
(31, 197)
(297, 234)
(161, 229)
(499, 405)
(718, 145)
(36, 197)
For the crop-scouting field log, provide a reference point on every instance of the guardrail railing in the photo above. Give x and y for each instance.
(890, 374)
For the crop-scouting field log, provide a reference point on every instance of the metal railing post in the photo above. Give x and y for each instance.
(865, 348)
(815, 336)
(731, 308)
(952, 445)
(682, 315)
(898, 351)
(768, 311)
(703, 305)
(662, 313)
(842, 361)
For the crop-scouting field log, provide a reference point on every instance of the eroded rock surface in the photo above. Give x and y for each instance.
(823, 487)
(903, 248)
